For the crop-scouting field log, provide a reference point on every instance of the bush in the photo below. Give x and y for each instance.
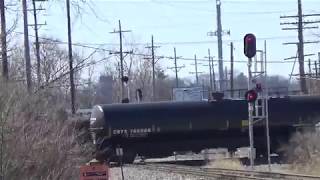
(303, 152)
(39, 142)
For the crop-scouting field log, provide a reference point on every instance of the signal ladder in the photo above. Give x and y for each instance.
(259, 109)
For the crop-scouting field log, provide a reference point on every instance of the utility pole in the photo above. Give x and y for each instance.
(219, 35)
(316, 68)
(153, 72)
(210, 69)
(267, 105)
(319, 57)
(176, 67)
(196, 69)
(72, 87)
(310, 73)
(309, 65)
(120, 31)
(4, 56)
(37, 41)
(226, 77)
(26, 45)
(231, 70)
(213, 77)
(301, 26)
(152, 47)
(301, 50)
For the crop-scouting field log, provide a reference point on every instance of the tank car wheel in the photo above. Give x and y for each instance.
(129, 157)
(105, 151)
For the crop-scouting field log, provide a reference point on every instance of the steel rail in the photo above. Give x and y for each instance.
(274, 175)
(226, 173)
(185, 170)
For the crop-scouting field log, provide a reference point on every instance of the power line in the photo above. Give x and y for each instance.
(181, 42)
(140, 54)
(193, 42)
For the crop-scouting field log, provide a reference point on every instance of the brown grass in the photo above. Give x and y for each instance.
(303, 152)
(39, 141)
(226, 164)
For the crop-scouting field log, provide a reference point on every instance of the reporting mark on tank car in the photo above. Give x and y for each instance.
(132, 132)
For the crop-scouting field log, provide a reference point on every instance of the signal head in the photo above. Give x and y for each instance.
(250, 45)
(251, 96)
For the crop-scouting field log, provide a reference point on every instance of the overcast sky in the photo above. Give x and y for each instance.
(184, 24)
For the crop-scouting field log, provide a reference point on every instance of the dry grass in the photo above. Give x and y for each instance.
(38, 140)
(226, 164)
(303, 152)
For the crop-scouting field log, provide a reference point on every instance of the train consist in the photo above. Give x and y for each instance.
(161, 128)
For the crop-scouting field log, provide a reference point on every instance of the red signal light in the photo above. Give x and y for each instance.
(248, 39)
(250, 45)
(251, 96)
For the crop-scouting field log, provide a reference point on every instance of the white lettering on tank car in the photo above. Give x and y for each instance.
(133, 131)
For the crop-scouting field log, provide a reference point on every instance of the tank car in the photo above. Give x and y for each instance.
(158, 129)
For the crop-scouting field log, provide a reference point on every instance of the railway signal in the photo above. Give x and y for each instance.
(259, 87)
(250, 45)
(251, 96)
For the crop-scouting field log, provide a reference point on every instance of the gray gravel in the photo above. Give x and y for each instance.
(138, 173)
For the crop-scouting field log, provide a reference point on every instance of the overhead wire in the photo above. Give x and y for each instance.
(146, 55)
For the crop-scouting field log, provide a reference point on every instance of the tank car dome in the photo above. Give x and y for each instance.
(97, 119)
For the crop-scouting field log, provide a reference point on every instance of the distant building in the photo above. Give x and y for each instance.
(190, 94)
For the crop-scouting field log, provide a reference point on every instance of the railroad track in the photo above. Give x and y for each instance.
(225, 174)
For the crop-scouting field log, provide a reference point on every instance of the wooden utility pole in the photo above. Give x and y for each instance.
(120, 31)
(316, 68)
(176, 67)
(196, 72)
(231, 70)
(72, 87)
(301, 50)
(37, 41)
(319, 58)
(309, 65)
(196, 68)
(153, 71)
(310, 73)
(210, 70)
(152, 47)
(219, 33)
(300, 45)
(210, 65)
(26, 45)
(226, 77)
(4, 56)
(121, 61)
(220, 51)
(213, 77)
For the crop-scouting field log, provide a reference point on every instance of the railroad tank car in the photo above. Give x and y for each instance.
(158, 129)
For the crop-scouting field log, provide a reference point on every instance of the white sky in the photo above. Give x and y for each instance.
(184, 24)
